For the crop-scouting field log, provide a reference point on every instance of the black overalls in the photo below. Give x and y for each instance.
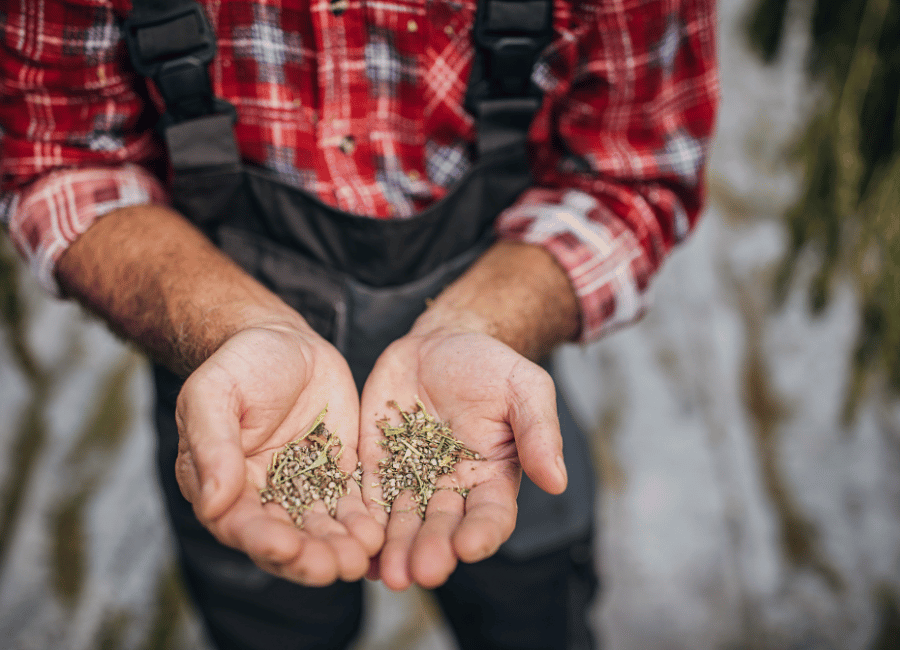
(361, 282)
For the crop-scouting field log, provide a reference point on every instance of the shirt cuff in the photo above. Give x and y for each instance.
(605, 262)
(51, 213)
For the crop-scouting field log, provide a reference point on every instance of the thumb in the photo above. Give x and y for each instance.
(211, 468)
(535, 424)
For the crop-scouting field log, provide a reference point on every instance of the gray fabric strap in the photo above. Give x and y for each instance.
(528, 16)
(163, 41)
(158, 6)
(504, 122)
(204, 142)
(172, 42)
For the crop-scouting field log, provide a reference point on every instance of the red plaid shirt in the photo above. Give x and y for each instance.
(364, 108)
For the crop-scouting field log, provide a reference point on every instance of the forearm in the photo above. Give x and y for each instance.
(516, 293)
(160, 283)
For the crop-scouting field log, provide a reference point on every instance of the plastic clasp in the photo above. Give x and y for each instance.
(511, 35)
(157, 40)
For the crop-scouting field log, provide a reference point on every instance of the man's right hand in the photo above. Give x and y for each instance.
(258, 376)
(260, 390)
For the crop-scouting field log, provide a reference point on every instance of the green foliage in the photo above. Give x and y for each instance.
(849, 208)
(766, 28)
(28, 445)
(68, 547)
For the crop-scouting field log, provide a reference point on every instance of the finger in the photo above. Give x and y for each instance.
(211, 468)
(315, 566)
(272, 541)
(489, 520)
(433, 557)
(372, 495)
(371, 453)
(374, 572)
(353, 514)
(535, 424)
(373, 499)
(352, 511)
(352, 558)
(383, 382)
(401, 531)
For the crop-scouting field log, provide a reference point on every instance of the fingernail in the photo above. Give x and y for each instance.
(561, 464)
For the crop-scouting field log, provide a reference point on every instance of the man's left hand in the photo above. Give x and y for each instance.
(499, 404)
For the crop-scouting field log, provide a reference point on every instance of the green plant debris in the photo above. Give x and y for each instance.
(111, 635)
(31, 433)
(421, 450)
(849, 206)
(110, 420)
(305, 471)
(101, 434)
(29, 443)
(172, 606)
(14, 318)
(69, 562)
(887, 603)
(766, 410)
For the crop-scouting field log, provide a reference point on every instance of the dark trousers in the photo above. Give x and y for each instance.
(501, 603)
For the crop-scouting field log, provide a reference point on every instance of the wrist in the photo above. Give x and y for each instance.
(160, 283)
(212, 326)
(448, 319)
(516, 293)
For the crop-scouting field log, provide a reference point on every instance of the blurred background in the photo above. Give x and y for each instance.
(746, 432)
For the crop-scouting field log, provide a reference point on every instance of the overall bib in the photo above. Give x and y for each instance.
(360, 283)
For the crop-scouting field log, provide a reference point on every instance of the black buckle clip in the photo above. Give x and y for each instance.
(153, 41)
(512, 33)
(174, 48)
(510, 65)
(187, 89)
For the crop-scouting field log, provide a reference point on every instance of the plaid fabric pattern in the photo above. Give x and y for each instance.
(361, 103)
(61, 205)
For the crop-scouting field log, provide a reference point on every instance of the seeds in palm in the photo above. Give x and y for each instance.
(420, 450)
(305, 471)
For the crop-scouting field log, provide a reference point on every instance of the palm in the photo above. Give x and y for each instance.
(261, 390)
(500, 405)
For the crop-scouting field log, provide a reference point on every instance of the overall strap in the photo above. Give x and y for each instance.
(509, 35)
(172, 43)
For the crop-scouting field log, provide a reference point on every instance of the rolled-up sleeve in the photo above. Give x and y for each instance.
(76, 141)
(50, 214)
(619, 149)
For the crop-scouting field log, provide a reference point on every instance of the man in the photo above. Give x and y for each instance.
(521, 167)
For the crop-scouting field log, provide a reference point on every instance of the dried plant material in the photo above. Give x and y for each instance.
(305, 471)
(421, 450)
